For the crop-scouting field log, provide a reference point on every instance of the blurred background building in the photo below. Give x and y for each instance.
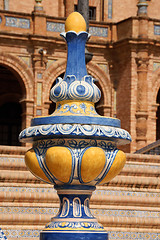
(125, 43)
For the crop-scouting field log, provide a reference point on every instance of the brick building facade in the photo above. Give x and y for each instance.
(125, 45)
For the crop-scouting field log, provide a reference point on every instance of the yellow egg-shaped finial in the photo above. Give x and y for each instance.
(75, 22)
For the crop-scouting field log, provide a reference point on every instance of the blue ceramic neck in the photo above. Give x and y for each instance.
(74, 201)
(76, 54)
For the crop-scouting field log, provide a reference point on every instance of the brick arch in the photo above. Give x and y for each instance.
(51, 74)
(98, 73)
(155, 83)
(24, 74)
(156, 110)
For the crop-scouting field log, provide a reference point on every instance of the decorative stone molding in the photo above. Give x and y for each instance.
(142, 63)
(38, 5)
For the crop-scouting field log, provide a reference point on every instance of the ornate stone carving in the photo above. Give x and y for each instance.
(142, 63)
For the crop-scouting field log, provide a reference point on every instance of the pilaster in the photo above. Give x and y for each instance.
(69, 7)
(142, 102)
(39, 19)
(39, 64)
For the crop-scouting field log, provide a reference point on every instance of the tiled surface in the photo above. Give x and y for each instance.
(94, 31)
(134, 235)
(126, 193)
(27, 190)
(2, 236)
(110, 9)
(4, 158)
(95, 212)
(34, 234)
(55, 27)
(17, 22)
(156, 65)
(20, 234)
(98, 31)
(28, 210)
(100, 192)
(157, 29)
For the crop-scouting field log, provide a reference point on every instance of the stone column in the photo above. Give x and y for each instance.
(69, 7)
(142, 102)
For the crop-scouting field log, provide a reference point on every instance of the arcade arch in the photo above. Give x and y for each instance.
(158, 116)
(11, 92)
(16, 81)
(156, 101)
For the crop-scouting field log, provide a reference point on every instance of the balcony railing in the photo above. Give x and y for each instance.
(21, 23)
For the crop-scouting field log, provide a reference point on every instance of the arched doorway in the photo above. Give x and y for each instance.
(10, 123)
(11, 92)
(158, 117)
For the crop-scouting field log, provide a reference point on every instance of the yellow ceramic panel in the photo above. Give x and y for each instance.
(59, 162)
(88, 110)
(116, 167)
(93, 162)
(75, 22)
(33, 165)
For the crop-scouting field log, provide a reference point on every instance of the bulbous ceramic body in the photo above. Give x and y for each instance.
(75, 161)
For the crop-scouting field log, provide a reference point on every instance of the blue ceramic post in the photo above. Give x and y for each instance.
(74, 148)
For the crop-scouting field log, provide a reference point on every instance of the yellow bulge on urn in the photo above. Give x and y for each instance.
(75, 22)
(116, 167)
(93, 162)
(59, 163)
(33, 165)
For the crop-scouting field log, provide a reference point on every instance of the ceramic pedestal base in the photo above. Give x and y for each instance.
(73, 236)
(74, 220)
